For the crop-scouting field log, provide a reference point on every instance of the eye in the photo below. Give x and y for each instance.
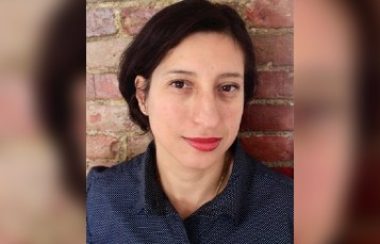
(229, 88)
(179, 84)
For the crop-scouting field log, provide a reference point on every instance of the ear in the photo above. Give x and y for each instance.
(140, 85)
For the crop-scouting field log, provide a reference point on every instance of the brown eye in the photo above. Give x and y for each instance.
(229, 88)
(179, 84)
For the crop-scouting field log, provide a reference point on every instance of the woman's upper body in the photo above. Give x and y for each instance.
(188, 82)
(126, 204)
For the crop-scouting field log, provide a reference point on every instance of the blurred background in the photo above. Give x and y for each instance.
(43, 112)
(336, 149)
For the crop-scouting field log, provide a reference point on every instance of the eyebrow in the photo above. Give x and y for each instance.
(191, 73)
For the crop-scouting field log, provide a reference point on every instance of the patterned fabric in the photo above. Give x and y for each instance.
(125, 204)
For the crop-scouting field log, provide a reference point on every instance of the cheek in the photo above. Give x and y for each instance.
(164, 112)
(232, 115)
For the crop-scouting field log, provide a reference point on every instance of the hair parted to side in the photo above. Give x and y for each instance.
(165, 30)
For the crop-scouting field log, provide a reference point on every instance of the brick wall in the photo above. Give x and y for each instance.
(267, 128)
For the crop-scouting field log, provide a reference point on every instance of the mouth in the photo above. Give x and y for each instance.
(204, 144)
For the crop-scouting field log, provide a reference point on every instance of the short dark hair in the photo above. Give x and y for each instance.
(167, 29)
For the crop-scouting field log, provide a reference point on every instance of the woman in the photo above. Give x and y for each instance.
(187, 77)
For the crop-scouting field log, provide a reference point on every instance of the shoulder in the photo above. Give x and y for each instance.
(269, 182)
(272, 191)
(271, 198)
(112, 174)
(121, 179)
(269, 206)
(268, 190)
(111, 191)
(265, 185)
(262, 179)
(277, 182)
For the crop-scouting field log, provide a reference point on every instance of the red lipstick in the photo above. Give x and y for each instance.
(205, 144)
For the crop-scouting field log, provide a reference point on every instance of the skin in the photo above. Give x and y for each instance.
(196, 91)
(324, 60)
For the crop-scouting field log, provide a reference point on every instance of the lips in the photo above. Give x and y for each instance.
(205, 144)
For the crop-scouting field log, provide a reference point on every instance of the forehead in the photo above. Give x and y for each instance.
(205, 51)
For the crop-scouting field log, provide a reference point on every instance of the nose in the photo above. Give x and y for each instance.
(205, 110)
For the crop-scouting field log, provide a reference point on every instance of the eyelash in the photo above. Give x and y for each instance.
(174, 84)
(234, 86)
(181, 84)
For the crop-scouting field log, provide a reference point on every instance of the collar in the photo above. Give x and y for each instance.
(152, 199)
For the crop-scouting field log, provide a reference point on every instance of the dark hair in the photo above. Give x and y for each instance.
(167, 29)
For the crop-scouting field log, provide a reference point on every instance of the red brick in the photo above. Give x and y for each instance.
(277, 49)
(95, 118)
(106, 86)
(100, 22)
(105, 53)
(134, 18)
(90, 86)
(269, 148)
(288, 171)
(109, 118)
(262, 117)
(137, 144)
(274, 84)
(101, 146)
(269, 13)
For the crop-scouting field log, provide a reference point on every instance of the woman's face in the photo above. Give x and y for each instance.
(195, 100)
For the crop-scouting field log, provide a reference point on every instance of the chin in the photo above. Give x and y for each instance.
(197, 165)
(200, 160)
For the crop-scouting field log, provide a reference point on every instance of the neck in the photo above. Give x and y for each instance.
(187, 188)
